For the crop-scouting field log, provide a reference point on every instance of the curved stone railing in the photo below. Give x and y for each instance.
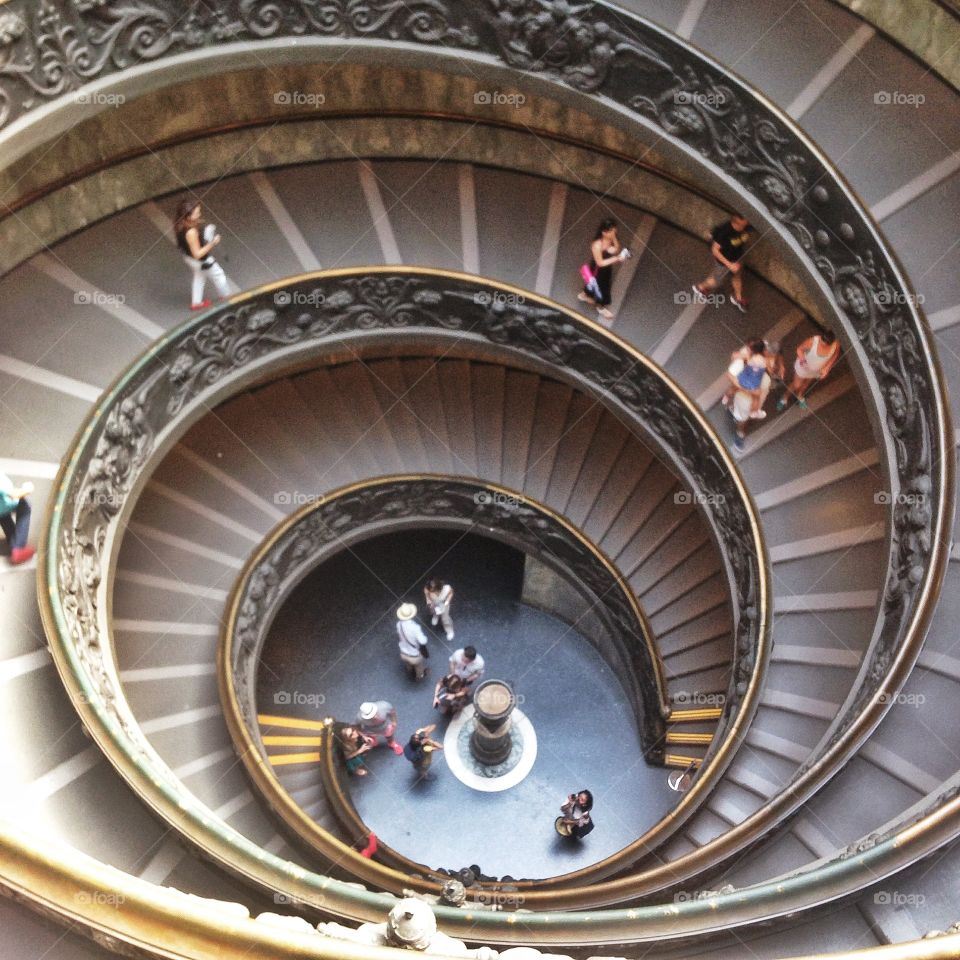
(628, 69)
(342, 518)
(321, 316)
(638, 74)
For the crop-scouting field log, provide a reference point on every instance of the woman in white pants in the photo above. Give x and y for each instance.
(439, 596)
(195, 241)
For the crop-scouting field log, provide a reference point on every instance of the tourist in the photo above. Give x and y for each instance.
(816, 357)
(15, 518)
(450, 695)
(366, 845)
(466, 664)
(730, 242)
(355, 744)
(379, 720)
(597, 273)
(749, 377)
(576, 821)
(439, 595)
(412, 642)
(195, 240)
(774, 363)
(419, 750)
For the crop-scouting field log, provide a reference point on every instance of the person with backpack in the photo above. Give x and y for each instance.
(576, 821)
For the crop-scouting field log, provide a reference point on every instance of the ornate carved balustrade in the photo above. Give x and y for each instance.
(628, 69)
(342, 518)
(325, 316)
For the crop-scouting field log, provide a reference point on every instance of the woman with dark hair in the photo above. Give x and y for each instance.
(597, 275)
(195, 240)
(576, 821)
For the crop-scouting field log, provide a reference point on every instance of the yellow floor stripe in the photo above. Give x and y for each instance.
(283, 759)
(677, 760)
(294, 723)
(690, 716)
(291, 741)
(687, 738)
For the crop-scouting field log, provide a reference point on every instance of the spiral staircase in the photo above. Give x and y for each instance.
(94, 282)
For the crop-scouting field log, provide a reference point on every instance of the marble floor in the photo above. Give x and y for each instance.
(335, 642)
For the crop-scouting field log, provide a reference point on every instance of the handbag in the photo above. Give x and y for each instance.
(590, 284)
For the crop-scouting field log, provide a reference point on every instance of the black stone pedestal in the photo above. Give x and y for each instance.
(493, 701)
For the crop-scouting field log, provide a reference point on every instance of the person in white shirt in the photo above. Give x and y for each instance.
(467, 664)
(439, 595)
(412, 641)
(15, 518)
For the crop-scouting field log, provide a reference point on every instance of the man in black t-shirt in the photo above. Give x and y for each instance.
(730, 243)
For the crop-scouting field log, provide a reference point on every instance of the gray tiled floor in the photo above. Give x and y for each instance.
(336, 637)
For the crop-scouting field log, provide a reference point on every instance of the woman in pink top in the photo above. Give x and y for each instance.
(815, 359)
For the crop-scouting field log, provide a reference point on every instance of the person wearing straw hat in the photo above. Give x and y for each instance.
(379, 720)
(412, 642)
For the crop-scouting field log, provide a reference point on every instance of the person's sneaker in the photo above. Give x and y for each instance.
(21, 555)
(758, 414)
(698, 295)
(583, 298)
(781, 404)
(450, 636)
(740, 303)
(202, 305)
(802, 404)
(434, 621)
(739, 443)
(397, 749)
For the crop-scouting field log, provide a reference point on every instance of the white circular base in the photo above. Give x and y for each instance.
(466, 776)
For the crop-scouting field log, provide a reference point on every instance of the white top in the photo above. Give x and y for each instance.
(812, 362)
(411, 636)
(465, 669)
(440, 601)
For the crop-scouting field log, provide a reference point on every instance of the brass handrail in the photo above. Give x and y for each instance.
(350, 511)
